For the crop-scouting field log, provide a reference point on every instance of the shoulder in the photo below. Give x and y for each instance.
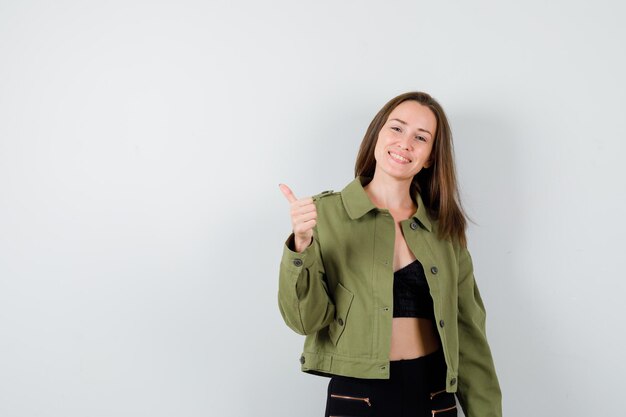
(324, 195)
(328, 204)
(337, 195)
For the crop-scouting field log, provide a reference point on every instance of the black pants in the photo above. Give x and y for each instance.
(416, 388)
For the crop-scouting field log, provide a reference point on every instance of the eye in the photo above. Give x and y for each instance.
(396, 128)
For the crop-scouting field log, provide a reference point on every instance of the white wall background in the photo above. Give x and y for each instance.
(141, 225)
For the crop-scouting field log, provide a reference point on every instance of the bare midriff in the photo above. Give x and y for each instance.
(412, 337)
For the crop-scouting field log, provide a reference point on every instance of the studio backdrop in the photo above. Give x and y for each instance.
(141, 223)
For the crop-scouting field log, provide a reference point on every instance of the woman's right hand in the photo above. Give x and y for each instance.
(303, 218)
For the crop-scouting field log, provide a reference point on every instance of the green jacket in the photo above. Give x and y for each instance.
(339, 293)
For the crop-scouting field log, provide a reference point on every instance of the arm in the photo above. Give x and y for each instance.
(303, 297)
(478, 390)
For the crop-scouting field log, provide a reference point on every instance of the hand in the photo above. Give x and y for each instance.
(303, 218)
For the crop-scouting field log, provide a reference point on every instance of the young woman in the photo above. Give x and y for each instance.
(379, 278)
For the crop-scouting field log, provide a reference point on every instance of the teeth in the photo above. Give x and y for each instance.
(396, 156)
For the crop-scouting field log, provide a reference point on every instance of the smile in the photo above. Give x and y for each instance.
(398, 158)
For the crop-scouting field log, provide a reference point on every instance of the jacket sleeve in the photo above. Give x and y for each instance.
(478, 388)
(303, 297)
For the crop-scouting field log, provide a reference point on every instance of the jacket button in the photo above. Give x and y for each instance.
(297, 262)
(302, 360)
(441, 323)
(453, 381)
(413, 225)
(434, 270)
(340, 321)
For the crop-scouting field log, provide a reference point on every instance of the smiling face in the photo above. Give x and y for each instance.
(405, 141)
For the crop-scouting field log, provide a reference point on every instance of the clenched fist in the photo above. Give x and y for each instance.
(303, 218)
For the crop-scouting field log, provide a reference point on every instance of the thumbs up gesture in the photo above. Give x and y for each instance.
(303, 218)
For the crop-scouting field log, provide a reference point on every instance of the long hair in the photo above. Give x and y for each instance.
(436, 184)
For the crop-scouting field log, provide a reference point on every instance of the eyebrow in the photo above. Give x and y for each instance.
(405, 123)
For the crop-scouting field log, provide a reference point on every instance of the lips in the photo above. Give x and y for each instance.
(398, 157)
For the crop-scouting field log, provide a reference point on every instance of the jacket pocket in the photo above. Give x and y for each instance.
(343, 301)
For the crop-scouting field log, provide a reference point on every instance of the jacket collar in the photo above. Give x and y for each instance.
(357, 203)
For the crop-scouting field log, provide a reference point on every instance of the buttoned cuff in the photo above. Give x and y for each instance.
(298, 260)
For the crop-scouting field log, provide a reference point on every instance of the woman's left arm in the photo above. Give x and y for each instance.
(478, 387)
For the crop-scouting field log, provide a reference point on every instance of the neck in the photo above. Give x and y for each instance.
(390, 193)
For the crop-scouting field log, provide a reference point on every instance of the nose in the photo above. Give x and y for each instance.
(405, 142)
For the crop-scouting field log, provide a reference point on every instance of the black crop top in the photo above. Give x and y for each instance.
(411, 295)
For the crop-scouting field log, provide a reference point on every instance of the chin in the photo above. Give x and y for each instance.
(399, 176)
